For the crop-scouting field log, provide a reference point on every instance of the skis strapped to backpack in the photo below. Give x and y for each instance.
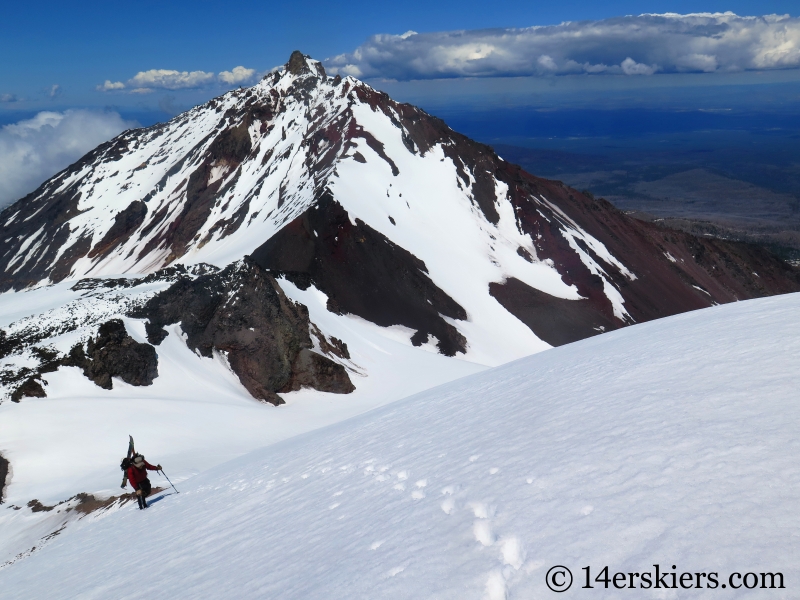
(126, 462)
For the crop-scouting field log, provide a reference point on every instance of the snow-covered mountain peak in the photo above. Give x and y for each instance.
(300, 64)
(380, 207)
(300, 73)
(153, 196)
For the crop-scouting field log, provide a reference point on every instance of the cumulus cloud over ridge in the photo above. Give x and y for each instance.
(169, 79)
(237, 75)
(633, 45)
(35, 149)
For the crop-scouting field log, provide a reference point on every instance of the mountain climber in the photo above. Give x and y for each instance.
(137, 476)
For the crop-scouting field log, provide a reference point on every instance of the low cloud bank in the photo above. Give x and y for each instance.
(633, 46)
(38, 148)
(168, 79)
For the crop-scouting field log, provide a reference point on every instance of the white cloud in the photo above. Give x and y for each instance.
(546, 62)
(631, 67)
(351, 70)
(633, 45)
(8, 98)
(35, 149)
(237, 75)
(145, 82)
(168, 79)
(109, 86)
(54, 90)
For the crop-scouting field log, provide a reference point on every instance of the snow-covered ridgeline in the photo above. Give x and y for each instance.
(671, 443)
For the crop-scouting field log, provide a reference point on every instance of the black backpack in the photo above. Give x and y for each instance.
(128, 462)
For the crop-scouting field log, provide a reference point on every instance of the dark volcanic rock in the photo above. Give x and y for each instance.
(554, 320)
(310, 369)
(114, 353)
(242, 313)
(37, 506)
(227, 152)
(3, 476)
(332, 345)
(27, 381)
(363, 273)
(30, 388)
(297, 64)
(125, 223)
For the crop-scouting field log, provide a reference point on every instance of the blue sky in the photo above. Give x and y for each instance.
(79, 46)
(96, 68)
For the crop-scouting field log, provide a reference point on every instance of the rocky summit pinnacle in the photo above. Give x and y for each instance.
(298, 65)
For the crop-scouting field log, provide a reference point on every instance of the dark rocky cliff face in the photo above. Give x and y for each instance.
(114, 353)
(242, 313)
(363, 273)
(4, 468)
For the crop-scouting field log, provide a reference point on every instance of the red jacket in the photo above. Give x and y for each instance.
(136, 475)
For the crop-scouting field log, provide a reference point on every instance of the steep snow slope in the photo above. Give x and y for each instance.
(195, 414)
(668, 443)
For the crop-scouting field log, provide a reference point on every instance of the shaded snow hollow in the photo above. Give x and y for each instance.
(672, 443)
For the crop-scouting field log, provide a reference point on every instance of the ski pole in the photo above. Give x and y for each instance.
(173, 487)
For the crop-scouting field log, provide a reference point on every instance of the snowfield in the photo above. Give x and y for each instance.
(672, 442)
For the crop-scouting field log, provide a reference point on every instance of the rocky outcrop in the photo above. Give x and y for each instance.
(363, 273)
(83, 504)
(555, 320)
(298, 65)
(28, 346)
(125, 223)
(27, 381)
(114, 353)
(241, 313)
(30, 388)
(3, 476)
(315, 371)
